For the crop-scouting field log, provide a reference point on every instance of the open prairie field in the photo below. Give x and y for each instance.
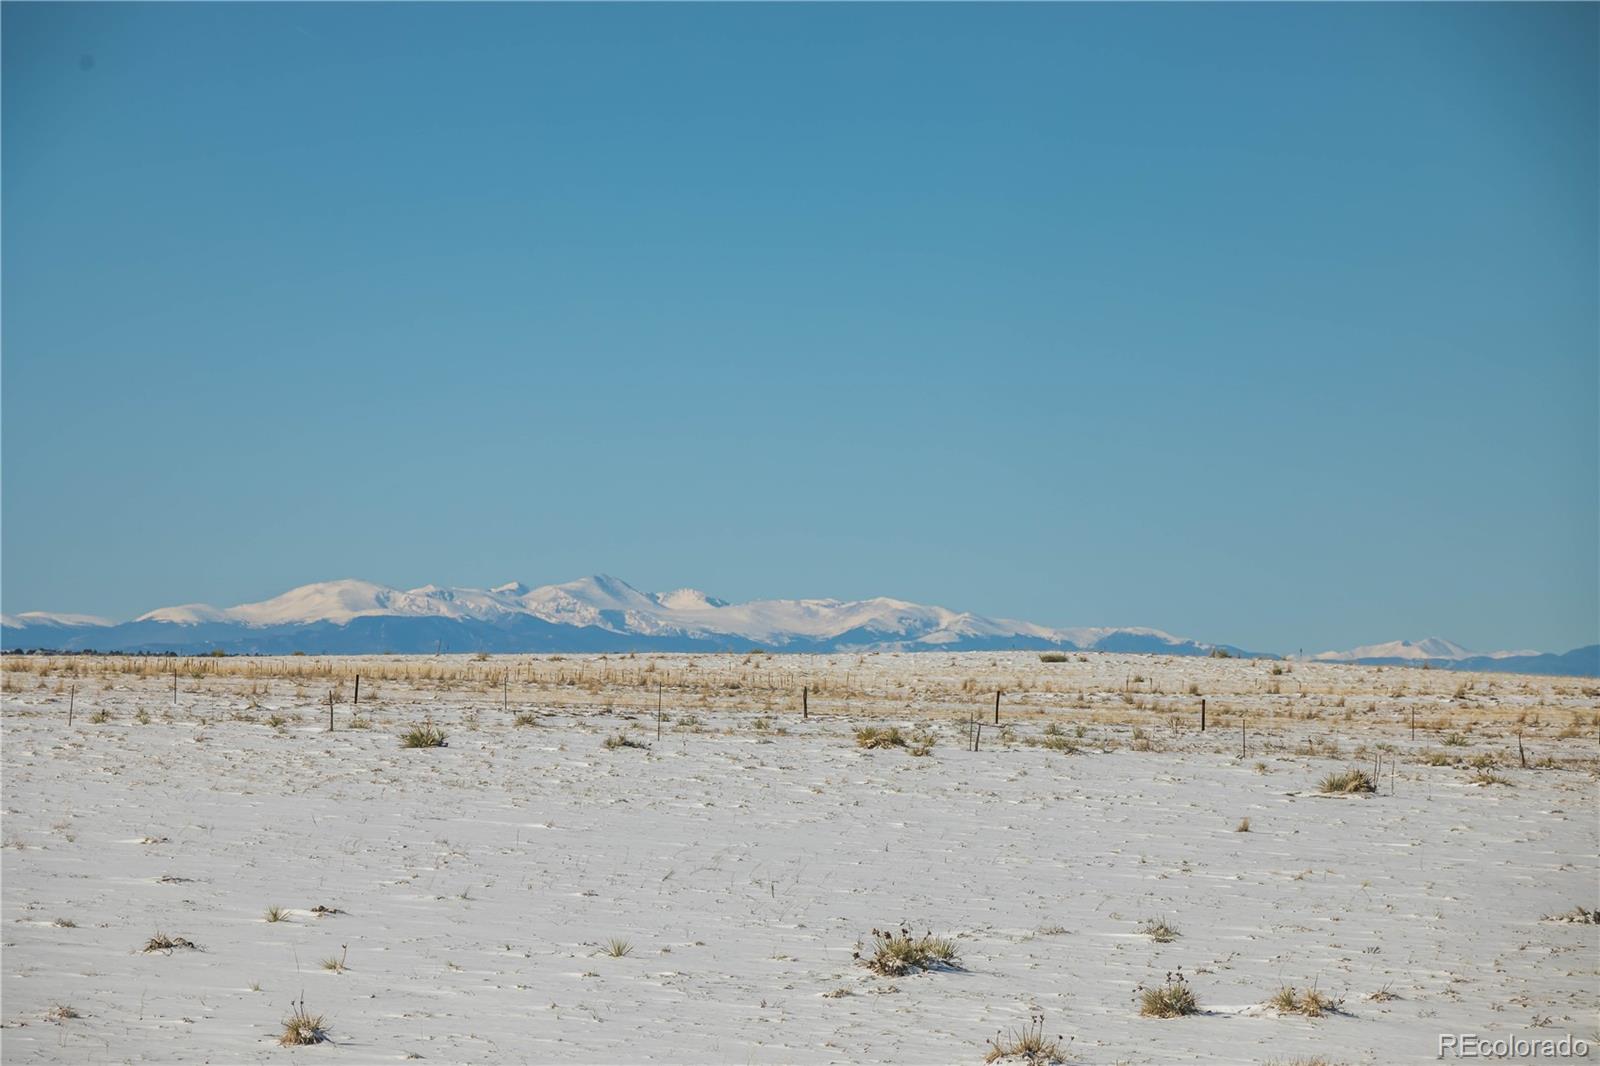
(759, 858)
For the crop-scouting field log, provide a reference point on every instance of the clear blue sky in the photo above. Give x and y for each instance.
(1265, 324)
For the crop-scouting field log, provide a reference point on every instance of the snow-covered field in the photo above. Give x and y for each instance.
(745, 853)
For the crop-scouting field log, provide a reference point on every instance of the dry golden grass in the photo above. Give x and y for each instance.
(1173, 998)
(301, 1027)
(1091, 690)
(896, 952)
(1027, 1044)
(1303, 1001)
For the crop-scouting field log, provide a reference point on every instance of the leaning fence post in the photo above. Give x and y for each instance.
(996, 706)
(358, 692)
(71, 701)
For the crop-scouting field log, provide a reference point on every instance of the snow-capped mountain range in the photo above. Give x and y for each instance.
(603, 613)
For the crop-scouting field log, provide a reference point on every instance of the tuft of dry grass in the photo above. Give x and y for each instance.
(1489, 777)
(622, 740)
(1347, 782)
(871, 737)
(896, 953)
(167, 944)
(1171, 999)
(337, 964)
(1578, 915)
(1159, 930)
(526, 718)
(1243, 826)
(618, 948)
(301, 1027)
(60, 1012)
(1027, 1044)
(426, 735)
(1303, 1001)
(276, 914)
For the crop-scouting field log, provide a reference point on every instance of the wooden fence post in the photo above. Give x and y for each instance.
(358, 692)
(996, 706)
(1202, 716)
(805, 702)
(330, 710)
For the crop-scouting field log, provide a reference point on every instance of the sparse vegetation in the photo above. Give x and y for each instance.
(1489, 777)
(622, 740)
(871, 737)
(895, 953)
(336, 964)
(618, 948)
(1173, 998)
(1308, 1002)
(1347, 782)
(1026, 1044)
(1243, 826)
(1053, 657)
(301, 1027)
(1578, 915)
(276, 914)
(1159, 930)
(426, 735)
(167, 944)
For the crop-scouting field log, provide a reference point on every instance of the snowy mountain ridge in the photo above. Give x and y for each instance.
(605, 613)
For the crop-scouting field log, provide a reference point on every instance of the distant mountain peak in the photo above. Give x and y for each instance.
(689, 600)
(598, 611)
(604, 613)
